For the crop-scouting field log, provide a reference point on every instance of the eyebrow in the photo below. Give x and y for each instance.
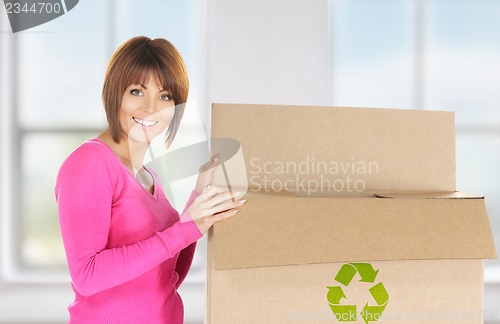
(142, 85)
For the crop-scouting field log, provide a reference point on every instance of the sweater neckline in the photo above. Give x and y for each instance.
(130, 174)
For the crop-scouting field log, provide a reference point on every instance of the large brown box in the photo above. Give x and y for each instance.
(352, 215)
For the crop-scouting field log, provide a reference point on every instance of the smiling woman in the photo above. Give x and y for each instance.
(127, 248)
(50, 89)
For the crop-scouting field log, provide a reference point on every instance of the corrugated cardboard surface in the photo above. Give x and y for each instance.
(432, 291)
(412, 149)
(273, 262)
(288, 230)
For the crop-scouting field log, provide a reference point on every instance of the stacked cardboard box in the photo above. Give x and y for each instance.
(352, 215)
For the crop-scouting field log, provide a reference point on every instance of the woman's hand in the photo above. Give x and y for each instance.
(213, 205)
(206, 175)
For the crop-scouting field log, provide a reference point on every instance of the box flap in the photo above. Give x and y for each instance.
(429, 195)
(291, 230)
(302, 148)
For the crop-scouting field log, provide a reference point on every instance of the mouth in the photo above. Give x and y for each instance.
(145, 123)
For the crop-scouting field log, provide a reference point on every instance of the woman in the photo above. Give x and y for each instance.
(127, 248)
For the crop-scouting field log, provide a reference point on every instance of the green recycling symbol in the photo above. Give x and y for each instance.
(348, 313)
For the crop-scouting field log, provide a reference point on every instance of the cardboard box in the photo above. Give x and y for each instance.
(352, 215)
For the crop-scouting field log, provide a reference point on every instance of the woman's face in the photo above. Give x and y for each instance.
(146, 111)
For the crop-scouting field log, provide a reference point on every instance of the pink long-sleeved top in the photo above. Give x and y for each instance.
(127, 250)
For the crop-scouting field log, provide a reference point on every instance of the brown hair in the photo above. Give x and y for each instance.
(133, 62)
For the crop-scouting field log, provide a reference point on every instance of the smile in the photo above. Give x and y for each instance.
(145, 123)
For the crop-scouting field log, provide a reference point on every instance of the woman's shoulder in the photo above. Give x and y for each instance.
(93, 154)
(93, 145)
(88, 169)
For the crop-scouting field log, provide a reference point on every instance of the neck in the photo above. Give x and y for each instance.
(130, 152)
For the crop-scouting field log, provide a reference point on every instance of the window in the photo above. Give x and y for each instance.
(51, 92)
(434, 54)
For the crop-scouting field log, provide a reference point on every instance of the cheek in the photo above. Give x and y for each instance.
(125, 116)
(166, 116)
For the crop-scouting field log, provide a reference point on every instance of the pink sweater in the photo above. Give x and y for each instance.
(127, 249)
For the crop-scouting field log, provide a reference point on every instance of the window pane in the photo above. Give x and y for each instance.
(462, 59)
(373, 53)
(478, 158)
(42, 154)
(60, 69)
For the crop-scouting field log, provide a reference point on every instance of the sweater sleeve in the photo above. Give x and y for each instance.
(84, 193)
(186, 256)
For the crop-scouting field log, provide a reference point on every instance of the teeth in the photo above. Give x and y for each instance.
(145, 123)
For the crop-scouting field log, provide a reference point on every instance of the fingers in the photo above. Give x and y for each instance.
(210, 165)
(217, 195)
(215, 200)
(213, 205)
(225, 206)
(224, 215)
(206, 222)
(209, 191)
(206, 175)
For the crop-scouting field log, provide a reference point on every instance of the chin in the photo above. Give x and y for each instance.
(144, 134)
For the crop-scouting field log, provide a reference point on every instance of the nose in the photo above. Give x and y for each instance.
(152, 105)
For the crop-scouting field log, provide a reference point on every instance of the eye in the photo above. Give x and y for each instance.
(165, 97)
(136, 92)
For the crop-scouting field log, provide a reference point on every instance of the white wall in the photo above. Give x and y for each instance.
(273, 52)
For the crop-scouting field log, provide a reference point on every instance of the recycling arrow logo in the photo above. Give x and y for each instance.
(348, 313)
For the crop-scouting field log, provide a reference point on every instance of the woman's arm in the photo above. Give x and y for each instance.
(185, 258)
(184, 263)
(84, 193)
